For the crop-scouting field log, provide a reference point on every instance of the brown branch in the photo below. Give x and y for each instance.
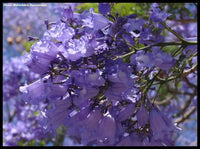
(176, 91)
(189, 83)
(164, 101)
(185, 116)
(183, 21)
(194, 143)
(186, 105)
(184, 108)
(191, 70)
(12, 116)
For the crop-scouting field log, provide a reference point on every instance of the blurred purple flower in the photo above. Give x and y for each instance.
(142, 116)
(104, 8)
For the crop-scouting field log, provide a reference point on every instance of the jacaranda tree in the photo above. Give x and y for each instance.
(102, 78)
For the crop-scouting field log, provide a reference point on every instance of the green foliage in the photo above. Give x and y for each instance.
(28, 44)
(141, 9)
(36, 113)
(169, 49)
(42, 143)
(20, 143)
(178, 8)
(87, 6)
(123, 9)
(60, 135)
(162, 92)
(32, 143)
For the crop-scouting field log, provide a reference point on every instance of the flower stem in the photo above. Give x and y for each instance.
(185, 43)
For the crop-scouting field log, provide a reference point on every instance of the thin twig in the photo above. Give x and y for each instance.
(12, 116)
(164, 101)
(186, 105)
(185, 116)
(189, 83)
(158, 44)
(191, 70)
(172, 31)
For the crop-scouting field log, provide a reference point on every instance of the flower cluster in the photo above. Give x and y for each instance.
(100, 79)
(15, 73)
(21, 124)
(91, 91)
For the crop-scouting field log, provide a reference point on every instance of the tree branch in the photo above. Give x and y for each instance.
(164, 101)
(172, 31)
(191, 70)
(185, 116)
(186, 105)
(157, 44)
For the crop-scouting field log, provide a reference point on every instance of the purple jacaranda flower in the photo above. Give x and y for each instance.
(12, 133)
(118, 74)
(142, 116)
(107, 130)
(161, 126)
(104, 8)
(56, 115)
(125, 141)
(56, 90)
(42, 53)
(15, 73)
(84, 93)
(43, 89)
(88, 83)
(95, 78)
(134, 27)
(142, 59)
(152, 142)
(128, 39)
(44, 50)
(130, 140)
(91, 124)
(68, 13)
(115, 90)
(77, 48)
(157, 14)
(74, 121)
(93, 119)
(60, 31)
(148, 38)
(34, 92)
(21, 130)
(155, 58)
(162, 60)
(126, 112)
(94, 20)
(157, 124)
(132, 95)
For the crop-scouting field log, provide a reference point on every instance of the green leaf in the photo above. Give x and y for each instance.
(87, 6)
(32, 143)
(28, 44)
(20, 143)
(36, 113)
(42, 143)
